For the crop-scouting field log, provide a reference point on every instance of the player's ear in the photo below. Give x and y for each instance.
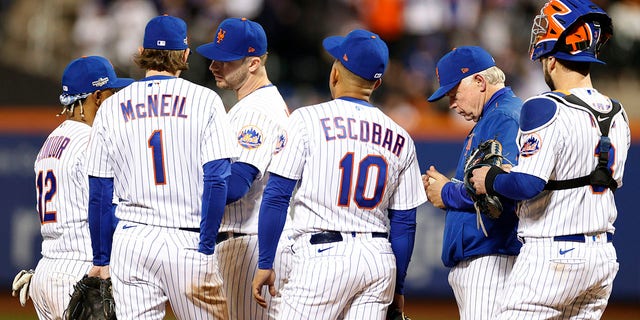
(186, 54)
(480, 81)
(334, 76)
(377, 83)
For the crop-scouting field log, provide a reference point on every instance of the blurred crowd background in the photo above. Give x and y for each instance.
(39, 37)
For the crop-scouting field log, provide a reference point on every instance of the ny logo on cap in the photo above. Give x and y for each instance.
(220, 35)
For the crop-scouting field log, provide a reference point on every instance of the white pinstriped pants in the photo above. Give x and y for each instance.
(152, 265)
(353, 279)
(560, 280)
(238, 262)
(52, 285)
(477, 282)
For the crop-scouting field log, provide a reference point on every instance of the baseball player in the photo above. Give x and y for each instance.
(479, 263)
(62, 189)
(573, 147)
(163, 145)
(239, 53)
(359, 186)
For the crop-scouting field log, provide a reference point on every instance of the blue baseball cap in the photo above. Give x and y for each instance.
(361, 52)
(85, 75)
(165, 33)
(458, 64)
(235, 39)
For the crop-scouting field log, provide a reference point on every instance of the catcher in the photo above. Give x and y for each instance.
(480, 242)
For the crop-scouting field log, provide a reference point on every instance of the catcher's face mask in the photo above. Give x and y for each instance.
(572, 30)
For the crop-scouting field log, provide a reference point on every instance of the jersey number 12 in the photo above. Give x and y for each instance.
(47, 186)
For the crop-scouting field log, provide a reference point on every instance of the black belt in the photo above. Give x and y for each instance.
(335, 236)
(190, 229)
(222, 236)
(579, 237)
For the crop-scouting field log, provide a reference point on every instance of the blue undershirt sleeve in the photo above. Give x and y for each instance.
(101, 219)
(240, 180)
(402, 237)
(454, 196)
(273, 215)
(215, 189)
(518, 186)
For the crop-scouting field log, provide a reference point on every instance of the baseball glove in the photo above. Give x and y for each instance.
(91, 299)
(20, 287)
(488, 153)
(395, 314)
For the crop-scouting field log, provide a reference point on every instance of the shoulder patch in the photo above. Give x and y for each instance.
(537, 113)
(250, 137)
(531, 144)
(281, 142)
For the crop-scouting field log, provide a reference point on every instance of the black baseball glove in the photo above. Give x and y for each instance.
(488, 153)
(395, 314)
(91, 299)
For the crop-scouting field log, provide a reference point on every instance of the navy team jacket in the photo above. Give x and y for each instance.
(462, 238)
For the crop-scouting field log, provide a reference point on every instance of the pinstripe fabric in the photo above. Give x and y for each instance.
(477, 282)
(567, 147)
(150, 265)
(265, 111)
(62, 191)
(65, 229)
(308, 156)
(559, 279)
(52, 285)
(353, 163)
(546, 284)
(260, 116)
(238, 266)
(352, 279)
(195, 132)
(153, 137)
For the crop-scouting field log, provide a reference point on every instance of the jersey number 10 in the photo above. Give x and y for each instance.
(362, 177)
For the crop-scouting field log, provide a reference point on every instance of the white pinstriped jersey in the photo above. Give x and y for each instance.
(257, 120)
(62, 192)
(353, 163)
(565, 149)
(153, 137)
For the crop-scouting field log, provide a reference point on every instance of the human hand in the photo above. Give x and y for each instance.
(263, 277)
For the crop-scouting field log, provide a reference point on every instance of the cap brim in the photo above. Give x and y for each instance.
(441, 92)
(212, 52)
(578, 58)
(332, 45)
(120, 83)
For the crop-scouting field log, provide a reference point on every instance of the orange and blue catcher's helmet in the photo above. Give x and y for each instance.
(573, 30)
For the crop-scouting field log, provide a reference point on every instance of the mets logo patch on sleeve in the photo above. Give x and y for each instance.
(531, 145)
(250, 137)
(281, 142)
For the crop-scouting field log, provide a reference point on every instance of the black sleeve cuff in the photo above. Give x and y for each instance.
(494, 171)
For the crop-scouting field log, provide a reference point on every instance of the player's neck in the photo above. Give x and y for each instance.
(252, 84)
(570, 80)
(151, 73)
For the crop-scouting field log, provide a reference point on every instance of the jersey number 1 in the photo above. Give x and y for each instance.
(45, 196)
(362, 178)
(157, 152)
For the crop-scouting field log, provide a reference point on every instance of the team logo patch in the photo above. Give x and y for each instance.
(250, 137)
(531, 145)
(281, 142)
(100, 82)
